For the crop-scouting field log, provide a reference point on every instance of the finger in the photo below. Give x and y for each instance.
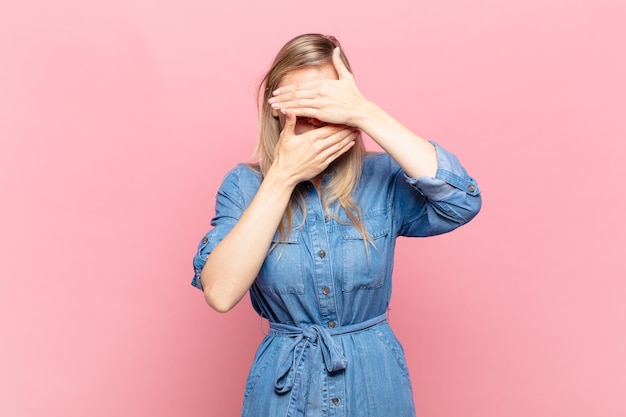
(286, 89)
(299, 98)
(329, 145)
(338, 149)
(293, 95)
(340, 67)
(290, 123)
(300, 113)
(329, 133)
(298, 101)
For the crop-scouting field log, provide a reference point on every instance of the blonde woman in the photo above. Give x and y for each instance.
(310, 230)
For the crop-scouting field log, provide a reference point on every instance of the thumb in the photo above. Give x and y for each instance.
(290, 124)
(288, 131)
(340, 67)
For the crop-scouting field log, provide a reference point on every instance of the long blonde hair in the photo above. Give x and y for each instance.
(308, 50)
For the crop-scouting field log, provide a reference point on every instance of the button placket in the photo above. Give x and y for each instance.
(336, 395)
(319, 229)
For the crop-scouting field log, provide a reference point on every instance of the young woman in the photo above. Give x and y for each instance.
(310, 230)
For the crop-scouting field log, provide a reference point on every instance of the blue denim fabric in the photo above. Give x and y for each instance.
(330, 351)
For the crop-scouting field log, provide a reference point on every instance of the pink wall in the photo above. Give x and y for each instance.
(119, 118)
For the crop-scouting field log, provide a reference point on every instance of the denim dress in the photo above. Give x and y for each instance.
(325, 290)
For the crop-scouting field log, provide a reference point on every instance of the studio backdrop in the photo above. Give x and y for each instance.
(120, 118)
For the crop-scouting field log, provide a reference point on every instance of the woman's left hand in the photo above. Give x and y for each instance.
(331, 101)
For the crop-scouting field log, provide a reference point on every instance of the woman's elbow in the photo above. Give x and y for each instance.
(459, 214)
(218, 300)
(218, 305)
(474, 204)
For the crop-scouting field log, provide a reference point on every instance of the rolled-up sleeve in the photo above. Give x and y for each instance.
(437, 204)
(229, 206)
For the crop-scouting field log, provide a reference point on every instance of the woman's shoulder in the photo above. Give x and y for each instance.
(245, 170)
(243, 176)
(241, 183)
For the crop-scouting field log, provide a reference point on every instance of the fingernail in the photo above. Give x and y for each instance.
(276, 92)
(275, 105)
(271, 100)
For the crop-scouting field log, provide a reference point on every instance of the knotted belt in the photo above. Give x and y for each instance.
(289, 372)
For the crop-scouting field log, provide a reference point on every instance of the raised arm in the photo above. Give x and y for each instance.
(340, 101)
(227, 275)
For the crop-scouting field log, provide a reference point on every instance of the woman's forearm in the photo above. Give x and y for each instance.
(235, 262)
(416, 156)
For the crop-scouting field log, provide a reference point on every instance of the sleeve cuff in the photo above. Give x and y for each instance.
(198, 262)
(450, 177)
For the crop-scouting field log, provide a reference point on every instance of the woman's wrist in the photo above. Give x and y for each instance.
(279, 177)
(365, 113)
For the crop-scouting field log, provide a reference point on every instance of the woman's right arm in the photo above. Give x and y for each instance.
(235, 262)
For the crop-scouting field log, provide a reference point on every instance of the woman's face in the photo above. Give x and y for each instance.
(301, 76)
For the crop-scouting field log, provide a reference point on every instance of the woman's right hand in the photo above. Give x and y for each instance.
(226, 276)
(301, 157)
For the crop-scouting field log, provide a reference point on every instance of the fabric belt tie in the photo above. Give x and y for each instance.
(288, 374)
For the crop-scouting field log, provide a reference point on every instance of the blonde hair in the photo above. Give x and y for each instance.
(308, 50)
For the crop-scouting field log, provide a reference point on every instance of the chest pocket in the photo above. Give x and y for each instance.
(365, 269)
(283, 272)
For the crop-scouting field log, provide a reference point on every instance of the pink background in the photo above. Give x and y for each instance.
(119, 118)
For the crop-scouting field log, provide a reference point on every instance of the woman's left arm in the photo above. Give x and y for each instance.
(340, 102)
(416, 156)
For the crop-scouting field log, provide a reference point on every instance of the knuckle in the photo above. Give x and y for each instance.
(317, 146)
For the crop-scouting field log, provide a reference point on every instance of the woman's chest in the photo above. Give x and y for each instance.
(325, 252)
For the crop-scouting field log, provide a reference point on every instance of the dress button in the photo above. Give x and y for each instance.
(325, 219)
(321, 253)
(471, 188)
(205, 239)
(335, 400)
(325, 290)
(331, 324)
